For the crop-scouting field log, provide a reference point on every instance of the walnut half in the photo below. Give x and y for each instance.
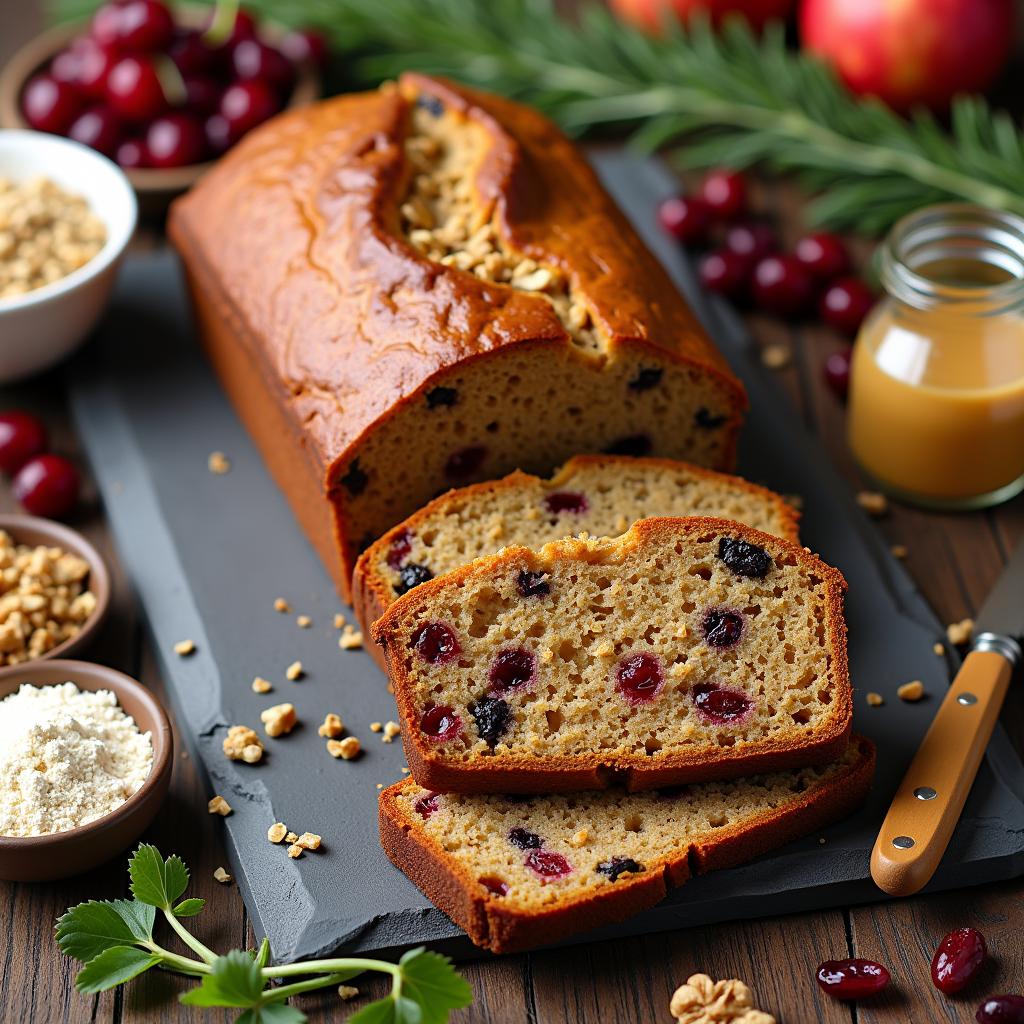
(703, 1001)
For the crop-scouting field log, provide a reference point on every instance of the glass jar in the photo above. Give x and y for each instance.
(936, 412)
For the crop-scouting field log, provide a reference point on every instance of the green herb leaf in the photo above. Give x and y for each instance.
(113, 967)
(272, 1013)
(189, 907)
(92, 928)
(390, 1010)
(430, 980)
(156, 881)
(234, 980)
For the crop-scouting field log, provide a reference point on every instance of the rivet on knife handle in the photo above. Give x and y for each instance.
(931, 796)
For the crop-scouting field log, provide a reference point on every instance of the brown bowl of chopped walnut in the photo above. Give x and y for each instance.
(54, 590)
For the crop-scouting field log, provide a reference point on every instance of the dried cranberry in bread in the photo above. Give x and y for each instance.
(518, 873)
(412, 289)
(684, 650)
(600, 495)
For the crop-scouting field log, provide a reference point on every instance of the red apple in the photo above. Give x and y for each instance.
(910, 52)
(651, 14)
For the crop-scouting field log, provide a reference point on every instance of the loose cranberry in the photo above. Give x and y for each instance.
(202, 93)
(852, 979)
(411, 575)
(719, 705)
(958, 959)
(640, 678)
(492, 716)
(837, 371)
(511, 671)
(619, 866)
(49, 105)
(744, 559)
(440, 724)
(465, 462)
(427, 805)
(134, 89)
(131, 153)
(722, 628)
(823, 255)
(782, 285)
(1006, 1009)
(754, 240)
(435, 643)
(532, 584)
(191, 55)
(99, 128)
(548, 864)
(22, 437)
(94, 64)
(175, 140)
(47, 485)
(105, 27)
(495, 886)
(247, 104)
(251, 59)
(725, 273)
(566, 501)
(686, 218)
(398, 550)
(845, 304)
(725, 193)
(143, 26)
(524, 838)
(306, 46)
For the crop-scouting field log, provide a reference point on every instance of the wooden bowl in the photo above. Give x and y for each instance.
(154, 187)
(30, 530)
(62, 854)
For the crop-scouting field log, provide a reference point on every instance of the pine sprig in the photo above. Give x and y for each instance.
(729, 98)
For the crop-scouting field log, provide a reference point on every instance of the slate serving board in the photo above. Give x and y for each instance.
(209, 554)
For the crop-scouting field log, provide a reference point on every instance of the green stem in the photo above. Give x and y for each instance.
(224, 14)
(189, 939)
(278, 995)
(341, 964)
(176, 962)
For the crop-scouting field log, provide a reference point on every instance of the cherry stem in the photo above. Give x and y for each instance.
(224, 14)
(171, 81)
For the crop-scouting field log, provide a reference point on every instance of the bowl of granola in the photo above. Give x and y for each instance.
(66, 216)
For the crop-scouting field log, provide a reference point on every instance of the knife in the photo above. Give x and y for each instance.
(928, 803)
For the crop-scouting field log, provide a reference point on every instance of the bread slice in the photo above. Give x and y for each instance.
(684, 650)
(601, 495)
(519, 873)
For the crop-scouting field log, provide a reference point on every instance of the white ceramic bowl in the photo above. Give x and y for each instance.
(41, 327)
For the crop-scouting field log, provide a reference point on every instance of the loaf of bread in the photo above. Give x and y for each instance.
(417, 288)
(684, 650)
(518, 873)
(599, 495)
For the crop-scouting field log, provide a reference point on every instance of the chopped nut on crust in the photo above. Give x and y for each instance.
(348, 991)
(294, 851)
(776, 357)
(350, 639)
(294, 671)
(218, 463)
(347, 749)
(876, 700)
(281, 605)
(243, 744)
(309, 841)
(279, 719)
(184, 648)
(912, 691)
(332, 726)
(391, 730)
(221, 876)
(304, 622)
(218, 805)
(958, 633)
(339, 620)
(872, 502)
(277, 832)
(261, 685)
(703, 1001)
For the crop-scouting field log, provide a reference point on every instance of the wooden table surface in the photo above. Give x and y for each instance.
(953, 558)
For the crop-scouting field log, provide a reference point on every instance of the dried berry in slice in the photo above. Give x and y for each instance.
(619, 866)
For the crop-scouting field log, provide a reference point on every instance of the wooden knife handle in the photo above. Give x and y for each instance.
(928, 803)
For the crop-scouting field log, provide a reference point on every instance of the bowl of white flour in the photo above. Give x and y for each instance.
(85, 763)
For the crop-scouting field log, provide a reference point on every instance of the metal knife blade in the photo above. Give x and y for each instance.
(1003, 610)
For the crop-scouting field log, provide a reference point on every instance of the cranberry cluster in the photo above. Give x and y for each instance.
(748, 264)
(45, 484)
(148, 92)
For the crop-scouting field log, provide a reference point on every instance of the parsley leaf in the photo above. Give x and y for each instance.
(234, 980)
(92, 928)
(390, 1010)
(156, 881)
(113, 967)
(272, 1013)
(189, 908)
(430, 980)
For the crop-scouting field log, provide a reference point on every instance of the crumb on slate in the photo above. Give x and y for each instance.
(183, 648)
(294, 671)
(261, 685)
(912, 691)
(218, 463)
(218, 805)
(876, 700)
(873, 502)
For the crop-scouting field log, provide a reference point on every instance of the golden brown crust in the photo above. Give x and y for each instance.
(493, 926)
(297, 263)
(515, 773)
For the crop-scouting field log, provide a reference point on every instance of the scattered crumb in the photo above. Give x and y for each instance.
(821, 840)
(218, 463)
(872, 502)
(794, 501)
(939, 649)
(350, 639)
(339, 620)
(911, 691)
(958, 633)
(277, 832)
(261, 685)
(899, 550)
(279, 719)
(375, 727)
(776, 357)
(184, 648)
(391, 730)
(309, 841)
(291, 837)
(406, 769)
(243, 744)
(876, 700)
(304, 622)
(580, 838)
(332, 727)
(294, 851)
(281, 605)
(380, 785)
(218, 805)
(348, 991)
(294, 671)
(221, 876)
(347, 749)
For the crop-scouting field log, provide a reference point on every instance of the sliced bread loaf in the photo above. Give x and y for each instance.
(522, 872)
(684, 650)
(601, 495)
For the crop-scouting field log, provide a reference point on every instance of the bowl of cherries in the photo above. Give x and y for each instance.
(162, 91)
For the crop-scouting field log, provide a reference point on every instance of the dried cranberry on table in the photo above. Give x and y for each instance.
(845, 304)
(48, 486)
(725, 273)
(686, 218)
(824, 255)
(782, 285)
(837, 371)
(958, 959)
(725, 193)
(1005, 1009)
(22, 437)
(306, 46)
(852, 979)
(753, 239)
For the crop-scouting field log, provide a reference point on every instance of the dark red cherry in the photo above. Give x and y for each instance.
(306, 46)
(143, 26)
(427, 804)
(435, 643)
(252, 59)
(852, 979)
(725, 193)
(465, 462)
(94, 64)
(640, 678)
(721, 628)
(219, 137)
(440, 724)
(719, 705)
(175, 140)
(782, 285)
(399, 548)
(845, 304)
(134, 89)
(1005, 1009)
(495, 886)
(242, 28)
(753, 239)
(958, 959)
(99, 128)
(49, 105)
(131, 153)
(823, 255)
(202, 93)
(836, 371)
(686, 218)
(191, 55)
(47, 486)
(66, 65)
(566, 501)
(511, 670)
(725, 273)
(247, 104)
(547, 864)
(105, 26)
(22, 436)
